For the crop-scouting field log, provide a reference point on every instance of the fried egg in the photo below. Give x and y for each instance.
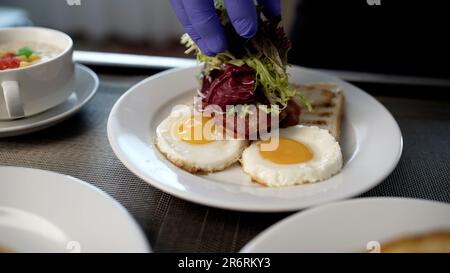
(192, 142)
(299, 155)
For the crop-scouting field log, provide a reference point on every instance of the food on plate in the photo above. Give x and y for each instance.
(245, 95)
(192, 142)
(432, 242)
(303, 155)
(251, 72)
(20, 55)
(327, 102)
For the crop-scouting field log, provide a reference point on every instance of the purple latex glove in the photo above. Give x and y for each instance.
(201, 22)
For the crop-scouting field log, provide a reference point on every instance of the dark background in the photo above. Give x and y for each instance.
(398, 36)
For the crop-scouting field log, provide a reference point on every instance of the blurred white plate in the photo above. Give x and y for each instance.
(84, 89)
(359, 225)
(41, 211)
(371, 144)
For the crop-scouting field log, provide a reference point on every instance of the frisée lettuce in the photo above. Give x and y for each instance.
(252, 71)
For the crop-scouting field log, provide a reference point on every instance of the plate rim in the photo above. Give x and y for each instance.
(270, 230)
(28, 128)
(228, 204)
(131, 221)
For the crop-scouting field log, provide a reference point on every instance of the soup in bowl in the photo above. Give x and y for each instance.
(24, 54)
(36, 70)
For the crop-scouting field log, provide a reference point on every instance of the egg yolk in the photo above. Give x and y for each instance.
(288, 151)
(194, 131)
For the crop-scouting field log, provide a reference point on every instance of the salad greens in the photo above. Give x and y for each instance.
(266, 54)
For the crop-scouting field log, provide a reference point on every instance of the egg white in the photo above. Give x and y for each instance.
(326, 161)
(210, 157)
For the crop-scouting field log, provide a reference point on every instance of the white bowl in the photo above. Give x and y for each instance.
(31, 90)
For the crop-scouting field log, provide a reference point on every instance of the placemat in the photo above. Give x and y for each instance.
(79, 147)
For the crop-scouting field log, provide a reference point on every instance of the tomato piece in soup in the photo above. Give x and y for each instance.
(9, 61)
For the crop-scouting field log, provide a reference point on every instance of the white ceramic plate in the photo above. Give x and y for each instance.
(359, 225)
(371, 144)
(41, 211)
(84, 89)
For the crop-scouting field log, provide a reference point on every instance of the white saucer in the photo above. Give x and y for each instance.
(359, 225)
(84, 89)
(42, 211)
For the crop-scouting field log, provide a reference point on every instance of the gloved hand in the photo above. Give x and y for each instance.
(201, 22)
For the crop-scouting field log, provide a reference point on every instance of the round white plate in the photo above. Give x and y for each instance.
(84, 89)
(41, 211)
(371, 144)
(359, 225)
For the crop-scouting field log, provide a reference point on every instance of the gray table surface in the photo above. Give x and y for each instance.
(79, 147)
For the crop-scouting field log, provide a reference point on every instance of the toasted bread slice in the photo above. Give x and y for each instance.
(434, 242)
(328, 107)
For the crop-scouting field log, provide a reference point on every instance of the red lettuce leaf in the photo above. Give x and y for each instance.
(235, 85)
